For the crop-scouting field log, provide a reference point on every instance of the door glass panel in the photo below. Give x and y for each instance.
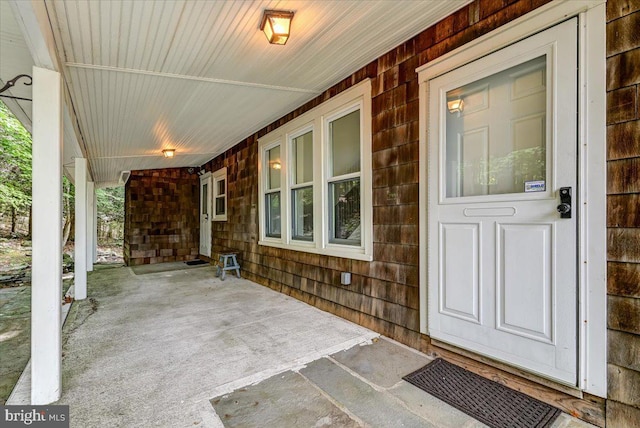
(205, 198)
(496, 134)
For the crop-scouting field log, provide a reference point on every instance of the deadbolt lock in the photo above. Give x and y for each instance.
(565, 202)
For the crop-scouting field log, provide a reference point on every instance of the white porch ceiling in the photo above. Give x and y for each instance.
(15, 59)
(14, 55)
(199, 76)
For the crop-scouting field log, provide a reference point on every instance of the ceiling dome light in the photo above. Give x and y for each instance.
(276, 25)
(169, 153)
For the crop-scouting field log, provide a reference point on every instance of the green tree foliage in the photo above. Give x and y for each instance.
(68, 208)
(111, 203)
(15, 183)
(110, 214)
(15, 163)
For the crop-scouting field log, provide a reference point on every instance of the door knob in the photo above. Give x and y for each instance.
(565, 202)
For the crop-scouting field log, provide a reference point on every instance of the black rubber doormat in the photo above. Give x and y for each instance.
(196, 262)
(489, 402)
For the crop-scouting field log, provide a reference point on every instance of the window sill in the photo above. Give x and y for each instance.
(347, 253)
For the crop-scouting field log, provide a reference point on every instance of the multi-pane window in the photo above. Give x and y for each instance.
(220, 195)
(273, 223)
(302, 187)
(344, 179)
(315, 185)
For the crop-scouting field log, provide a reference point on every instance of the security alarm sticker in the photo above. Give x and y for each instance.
(535, 186)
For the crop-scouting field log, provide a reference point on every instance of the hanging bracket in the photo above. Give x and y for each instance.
(11, 83)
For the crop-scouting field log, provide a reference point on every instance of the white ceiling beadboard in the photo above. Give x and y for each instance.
(15, 59)
(199, 76)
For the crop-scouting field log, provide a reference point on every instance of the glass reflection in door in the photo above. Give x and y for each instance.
(496, 133)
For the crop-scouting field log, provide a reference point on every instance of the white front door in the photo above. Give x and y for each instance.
(205, 215)
(502, 259)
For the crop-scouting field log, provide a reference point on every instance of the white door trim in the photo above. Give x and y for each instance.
(208, 178)
(591, 166)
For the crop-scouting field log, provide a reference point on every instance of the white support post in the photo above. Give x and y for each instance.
(91, 225)
(95, 227)
(46, 282)
(80, 238)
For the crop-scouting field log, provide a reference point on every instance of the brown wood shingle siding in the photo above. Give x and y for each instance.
(161, 217)
(623, 212)
(623, 279)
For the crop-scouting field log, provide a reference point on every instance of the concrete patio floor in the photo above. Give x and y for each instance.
(173, 346)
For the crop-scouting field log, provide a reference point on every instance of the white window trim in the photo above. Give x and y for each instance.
(315, 120)
(592, 105)
(220, 174)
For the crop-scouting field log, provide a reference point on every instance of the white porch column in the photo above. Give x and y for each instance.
(95, 226)
(46, 282)
(80, 246)
(91, 225)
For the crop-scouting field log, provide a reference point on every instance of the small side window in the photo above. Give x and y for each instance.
(220, 195)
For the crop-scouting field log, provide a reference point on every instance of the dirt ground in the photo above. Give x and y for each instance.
(15, 334)
(15, 303)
